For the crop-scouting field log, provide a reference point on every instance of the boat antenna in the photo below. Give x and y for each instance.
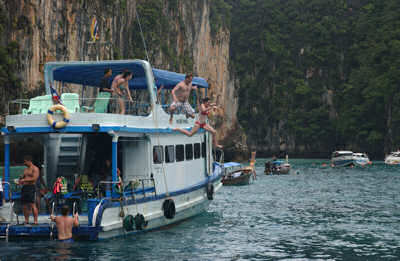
(141, 33)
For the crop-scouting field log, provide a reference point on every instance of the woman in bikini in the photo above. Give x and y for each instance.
(120, 87)
(204, 109)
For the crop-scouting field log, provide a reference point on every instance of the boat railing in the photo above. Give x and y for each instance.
(133, 187)
(104, 188)
(41, 105)
(140, 186)
(9, 189)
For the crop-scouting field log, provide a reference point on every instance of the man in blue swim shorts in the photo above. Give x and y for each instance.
(65, 224)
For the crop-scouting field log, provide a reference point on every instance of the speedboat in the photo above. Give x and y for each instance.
(361, 159)
(393, 158)
(342, 158)
(166, 176)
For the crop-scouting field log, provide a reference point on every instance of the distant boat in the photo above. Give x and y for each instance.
(235, 174)
(342, 158)
(361, 159)
(393, 158)
(277, 167)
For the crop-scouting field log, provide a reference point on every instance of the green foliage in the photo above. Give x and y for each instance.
(289, 54)
(10, 84)
(220, 15)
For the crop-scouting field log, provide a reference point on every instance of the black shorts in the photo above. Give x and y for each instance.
(28, 194)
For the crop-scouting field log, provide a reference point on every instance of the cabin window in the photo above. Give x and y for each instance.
(197, 150)
(180, 153)
(189, 151)
(203, 149)
(158, 154)
(169, 153)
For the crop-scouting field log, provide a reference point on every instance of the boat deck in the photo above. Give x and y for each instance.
(45, 231)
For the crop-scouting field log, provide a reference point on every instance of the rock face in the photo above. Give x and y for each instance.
(55, 30)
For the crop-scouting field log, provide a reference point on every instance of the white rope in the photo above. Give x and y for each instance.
(141, 33)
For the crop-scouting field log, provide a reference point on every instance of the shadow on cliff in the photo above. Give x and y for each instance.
(235, 145)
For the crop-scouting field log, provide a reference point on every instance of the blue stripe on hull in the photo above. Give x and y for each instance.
(89, 129)
(109, 204)
(92, 232)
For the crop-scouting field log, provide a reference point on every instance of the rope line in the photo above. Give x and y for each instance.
(141, 33)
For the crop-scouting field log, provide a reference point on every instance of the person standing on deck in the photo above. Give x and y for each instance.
(65, 224)
(28, 191)
(105, 85)
(180, 96)
(120, 87)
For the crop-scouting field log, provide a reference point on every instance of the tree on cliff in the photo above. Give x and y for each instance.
(319, 74)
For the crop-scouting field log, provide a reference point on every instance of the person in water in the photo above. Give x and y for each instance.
(180, 96)
(204, 109)
(28, 191)
(65, 224)
(120, 87)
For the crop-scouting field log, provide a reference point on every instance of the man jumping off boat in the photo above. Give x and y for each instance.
(65, 224)
(180, 96)
(204, 109)
(28, 191)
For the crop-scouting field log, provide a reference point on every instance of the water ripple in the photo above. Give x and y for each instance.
(316, 213)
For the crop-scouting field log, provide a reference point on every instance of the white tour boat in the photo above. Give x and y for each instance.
(361, 159)
(166, 176)
(393, 158)
(342, 158)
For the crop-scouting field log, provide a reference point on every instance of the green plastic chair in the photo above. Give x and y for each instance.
(71, 101)
(34, 106)
(101, 104)
(45, 103)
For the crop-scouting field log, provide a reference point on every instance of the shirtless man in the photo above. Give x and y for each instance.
(180, 96)
(28, 191)
(64, 225)
(120, 87)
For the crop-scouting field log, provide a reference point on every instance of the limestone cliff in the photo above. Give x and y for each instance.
(177, 33)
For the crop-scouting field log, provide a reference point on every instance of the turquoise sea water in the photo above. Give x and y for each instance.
(315, 213)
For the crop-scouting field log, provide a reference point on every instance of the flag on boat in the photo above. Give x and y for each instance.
(56, 98)
(94, 30)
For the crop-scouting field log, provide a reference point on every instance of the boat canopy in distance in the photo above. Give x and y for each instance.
(90, 74)
(231, 164)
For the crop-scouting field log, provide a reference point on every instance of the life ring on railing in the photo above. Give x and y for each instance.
(210, 191)
(169, 208)
(57, 124)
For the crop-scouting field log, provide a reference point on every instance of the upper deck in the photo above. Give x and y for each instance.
(78, 86)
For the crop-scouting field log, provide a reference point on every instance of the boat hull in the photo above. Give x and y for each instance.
(283, 169)
(361, 163)
(242, 180)
(107, 221)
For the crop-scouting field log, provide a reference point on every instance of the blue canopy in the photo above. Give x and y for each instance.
(231, 164)
(90, 74)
